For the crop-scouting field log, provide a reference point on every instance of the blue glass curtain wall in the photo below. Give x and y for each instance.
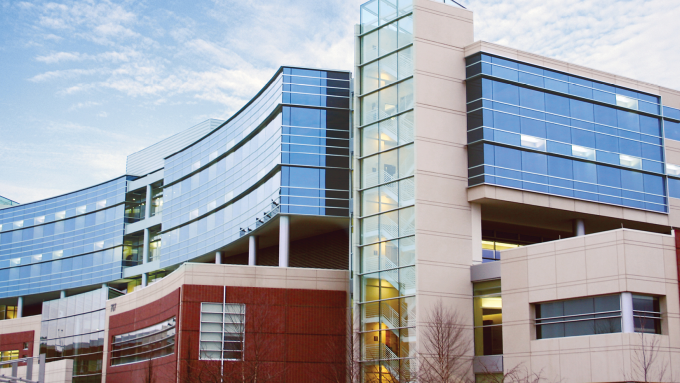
(552, 142)
(516, 168)
(560, 82)
(63, 242)
(233, 179)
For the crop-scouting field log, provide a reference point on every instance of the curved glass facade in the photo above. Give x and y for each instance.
(64, 242)
(285, 152)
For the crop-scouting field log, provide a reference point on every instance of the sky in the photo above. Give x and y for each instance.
(85, 83)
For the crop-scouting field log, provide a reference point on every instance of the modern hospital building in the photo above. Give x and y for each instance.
(311, 236)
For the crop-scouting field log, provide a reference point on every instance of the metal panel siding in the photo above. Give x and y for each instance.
(150, 159)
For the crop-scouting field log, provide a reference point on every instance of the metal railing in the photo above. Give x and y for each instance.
(14, 377)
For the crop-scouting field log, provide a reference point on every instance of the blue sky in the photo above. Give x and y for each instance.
(84, 83)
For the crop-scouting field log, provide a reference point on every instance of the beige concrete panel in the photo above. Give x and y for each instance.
(444, 190)
(481, 192)
(431, 247)
(514, 254)
(601, 262)
(440, 158)
(548, 365)
(646, 261)
(575, 366)
(562, 203)
(670, 97)
(570, 267)
(516, 308)
(634, 215)
(517, 337)
(536, 199)
(443, 220)
(439, 92)
(441, 60)
(514, 275)
(611, 211)
(510, 195)
(607, 365)
(656, 218)
(674, 212)
(441, 125)
(672, 151)
(444, 281)
(442, 23)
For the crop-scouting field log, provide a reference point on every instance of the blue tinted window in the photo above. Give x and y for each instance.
(671, 112)
(650, 125)
(533, 127)
(605, 115)
(585, 171)
(581, 91)
(605, 87)
(558, 132)
(556, 104)
(630, 147)
(506, 121)
(610, 158)
(674, 187)
(552, 74)
(531, 79)
(628, 120)
(508, 158)
(583, 138)
(505, 92)
(556, 85)
(604, 97)
(531, 98)
(626, 92)
(504, 62)
(506, 73)
(534, 162)
(609, 176)
(672, 129)
(582, 110)
(631, 180)
(560, 167)
(605, 142)
(305, 117)
(530, 69)
(653, 152)
(558, 148)
(653, 184)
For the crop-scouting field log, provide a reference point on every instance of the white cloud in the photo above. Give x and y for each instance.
(81, 105)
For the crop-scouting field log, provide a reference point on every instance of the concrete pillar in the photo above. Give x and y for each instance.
(476, 215)
(627, 322)
(284, 240)
(252, 250)
(145, 248)
(144, 279)
(20, 306)
(62, 294)
(218, 257)
(105, 285)
(147, 208)
(579, 227)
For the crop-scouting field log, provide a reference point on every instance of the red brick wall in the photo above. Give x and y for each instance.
(292, 335)
(15, 341)
(163, 369)
(677, 254)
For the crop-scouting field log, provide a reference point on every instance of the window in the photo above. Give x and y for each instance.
(646, 314)
(574, 317)
(222, 331)
(6, 356)
(488, 316)
(145, 344)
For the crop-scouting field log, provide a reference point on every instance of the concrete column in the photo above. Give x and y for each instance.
(579, 227)
(284, 240)
(147, 208)
(105, 285)
(218, 257)
(144, 279)
(627, 322)
(62, 294)
(20, 306)
(252, 250)
(476, 215)
(145, 248)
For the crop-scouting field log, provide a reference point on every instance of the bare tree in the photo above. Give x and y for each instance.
(518, 374)
(646, 363)
(447, 346)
